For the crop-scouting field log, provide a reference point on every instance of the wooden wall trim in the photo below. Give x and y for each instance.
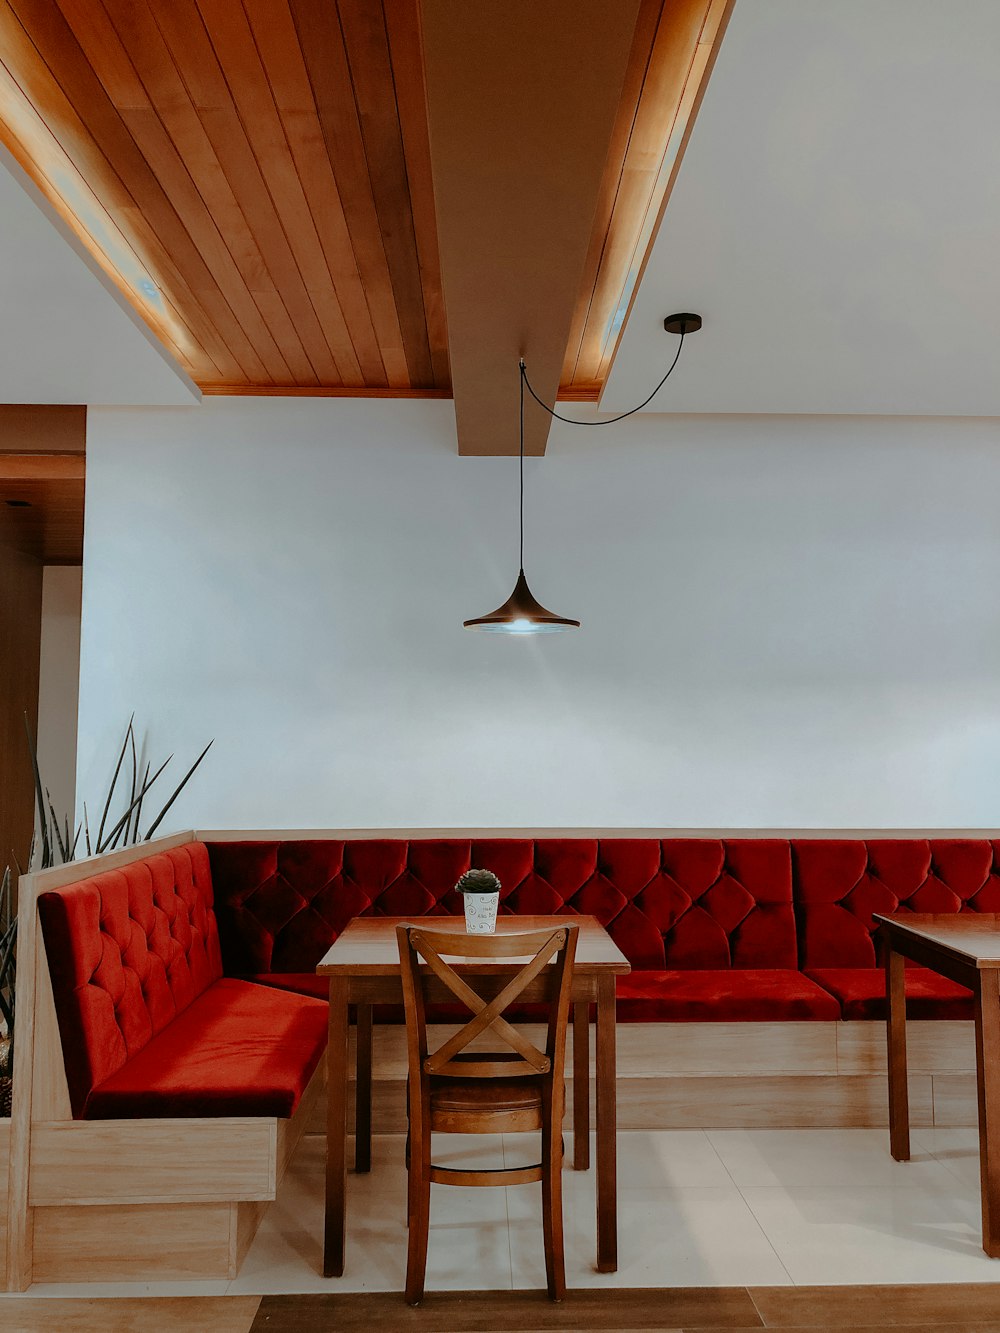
(42, 880)
(268, 835)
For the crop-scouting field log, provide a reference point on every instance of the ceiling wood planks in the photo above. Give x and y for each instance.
(521, 101)
(256, 177)
(241, 171)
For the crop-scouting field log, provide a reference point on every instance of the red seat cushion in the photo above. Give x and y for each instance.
(752, 995)
(237, 1049)
(861, 992)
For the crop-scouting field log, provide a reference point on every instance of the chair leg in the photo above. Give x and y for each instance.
(552, 1217)
(418, 1221)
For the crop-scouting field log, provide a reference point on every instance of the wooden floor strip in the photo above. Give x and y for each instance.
(127, 1314)
(943, 1308)
(951, 1308)
(930, 1305)
(673, 1308)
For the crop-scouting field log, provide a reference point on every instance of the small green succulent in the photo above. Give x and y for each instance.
(478, 881)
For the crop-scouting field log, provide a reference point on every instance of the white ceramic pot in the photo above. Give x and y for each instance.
(481, 913)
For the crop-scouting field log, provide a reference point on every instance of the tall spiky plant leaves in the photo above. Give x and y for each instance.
(180, 787)
(63, 850)
(86, 830)
(113, 835)
(123, 829)
(8, 965)
(101, 844)
(133, 836)
(6, 900)
(39, 799)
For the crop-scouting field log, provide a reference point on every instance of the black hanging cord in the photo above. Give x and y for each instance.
(571, 421)
(521, 558)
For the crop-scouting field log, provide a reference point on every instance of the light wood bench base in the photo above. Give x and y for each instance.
(748, 1076)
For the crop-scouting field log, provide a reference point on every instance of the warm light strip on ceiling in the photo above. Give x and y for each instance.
(704, 56)
(24, 133)
(662, 119)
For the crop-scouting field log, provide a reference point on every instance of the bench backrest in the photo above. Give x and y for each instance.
(839, 882)
(127, 950)
(675, 902)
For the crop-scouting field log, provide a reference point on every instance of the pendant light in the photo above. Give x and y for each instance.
(521, 613)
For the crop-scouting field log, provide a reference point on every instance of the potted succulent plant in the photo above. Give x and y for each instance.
(481, 891)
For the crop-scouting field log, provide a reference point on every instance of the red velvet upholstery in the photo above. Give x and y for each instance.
(748, 995)
(676, 903)
(708, 924)
(860, 992)
(237, 1049)
(840, 882)
(128, 951)
(716, 929)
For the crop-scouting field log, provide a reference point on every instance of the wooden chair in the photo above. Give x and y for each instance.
(473, 1092)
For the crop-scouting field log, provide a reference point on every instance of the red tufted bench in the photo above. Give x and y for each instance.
(149, 1024)
(840, 883)
(180, 1067)
(716, 929)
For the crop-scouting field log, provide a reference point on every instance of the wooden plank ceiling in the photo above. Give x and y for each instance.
(256, 177)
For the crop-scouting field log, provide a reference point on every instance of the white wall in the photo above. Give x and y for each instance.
(58, 683)
(786, 621)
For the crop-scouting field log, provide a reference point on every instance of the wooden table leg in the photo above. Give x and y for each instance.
(899, 1106)
(336, 1131)
(988, 1087)
(607, 1159)
(581, 1087)
(363, 1092)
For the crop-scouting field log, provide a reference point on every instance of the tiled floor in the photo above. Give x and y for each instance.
(696, 1208)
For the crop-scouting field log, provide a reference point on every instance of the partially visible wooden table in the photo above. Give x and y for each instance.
(363, 968)
(966, 949)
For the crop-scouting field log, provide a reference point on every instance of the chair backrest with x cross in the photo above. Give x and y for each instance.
(548, 971)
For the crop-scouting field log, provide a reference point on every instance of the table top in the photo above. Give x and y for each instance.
(973, 937)
(367, 948)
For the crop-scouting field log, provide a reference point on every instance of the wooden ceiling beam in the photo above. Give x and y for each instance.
(522, 100)
(675, 45)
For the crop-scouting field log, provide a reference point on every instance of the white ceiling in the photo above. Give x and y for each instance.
(66, 336)
(836, 219)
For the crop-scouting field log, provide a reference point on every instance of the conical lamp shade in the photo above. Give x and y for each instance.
(522, 614)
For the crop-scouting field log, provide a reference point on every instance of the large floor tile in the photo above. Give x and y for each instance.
(690, 1236)
(844, 1157)
(651, 1159)
(832, 1235)
(956, 1149)
(468, 1234)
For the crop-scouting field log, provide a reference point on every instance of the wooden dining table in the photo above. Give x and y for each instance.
(965, 947)
(363, 970)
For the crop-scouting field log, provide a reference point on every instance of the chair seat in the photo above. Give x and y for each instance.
(238, 1049)
(861, 992)
(455, 1095)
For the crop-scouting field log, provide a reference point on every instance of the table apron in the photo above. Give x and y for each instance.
(389, 990)
(938, 957)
